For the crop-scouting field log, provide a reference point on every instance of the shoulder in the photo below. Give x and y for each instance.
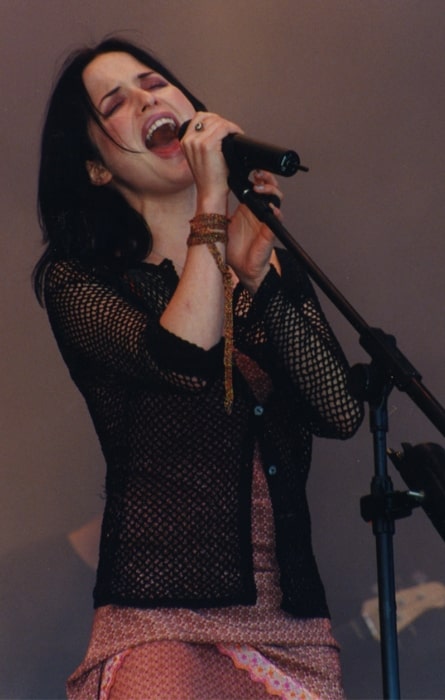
(60, 271)
(61, 275)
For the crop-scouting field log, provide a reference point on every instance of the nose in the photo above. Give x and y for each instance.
(145, 99)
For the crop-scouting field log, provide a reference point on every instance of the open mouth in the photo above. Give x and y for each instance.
(161, 134)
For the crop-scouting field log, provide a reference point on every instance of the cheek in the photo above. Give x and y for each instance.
(183, 105)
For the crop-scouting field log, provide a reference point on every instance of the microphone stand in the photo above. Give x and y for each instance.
(372, 383)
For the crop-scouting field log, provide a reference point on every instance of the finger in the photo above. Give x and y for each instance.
(278, 213)
(264, 177)
(269, 189)
(205, 124)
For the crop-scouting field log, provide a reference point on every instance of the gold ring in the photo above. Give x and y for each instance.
(199, 126)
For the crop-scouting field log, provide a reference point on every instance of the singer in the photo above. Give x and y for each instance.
(207, 365)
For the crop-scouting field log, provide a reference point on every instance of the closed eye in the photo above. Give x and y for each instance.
(113, 106)
(110, 102)
(152, 81)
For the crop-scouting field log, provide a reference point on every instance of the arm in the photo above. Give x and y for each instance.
(289, 329)
(250, 247)
(196, 311)
(98, 329)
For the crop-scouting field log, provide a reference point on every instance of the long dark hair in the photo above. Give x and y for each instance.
(78, 219)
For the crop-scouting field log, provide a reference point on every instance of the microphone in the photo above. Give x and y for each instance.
(239, 150)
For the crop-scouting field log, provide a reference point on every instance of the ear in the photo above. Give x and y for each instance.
(98, 173)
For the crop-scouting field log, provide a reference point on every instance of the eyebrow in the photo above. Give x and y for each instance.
(112, 92)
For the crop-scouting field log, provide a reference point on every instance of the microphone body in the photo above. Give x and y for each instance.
(239, 150)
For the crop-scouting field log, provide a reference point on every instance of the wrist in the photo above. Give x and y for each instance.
(252, 284)
(254, 281)
(211, 204)
(208, 228)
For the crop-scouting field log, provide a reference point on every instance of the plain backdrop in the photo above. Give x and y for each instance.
(357, 88)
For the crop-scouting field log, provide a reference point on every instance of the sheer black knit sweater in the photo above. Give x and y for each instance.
(176, 528)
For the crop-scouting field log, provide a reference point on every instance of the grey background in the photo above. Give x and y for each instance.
(357, 88)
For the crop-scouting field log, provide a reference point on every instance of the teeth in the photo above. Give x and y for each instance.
(162, 121)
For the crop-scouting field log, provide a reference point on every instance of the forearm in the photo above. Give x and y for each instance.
(302, 344)
(196, 310)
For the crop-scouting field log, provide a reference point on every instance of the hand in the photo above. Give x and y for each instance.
(250, 244)
(202, 149)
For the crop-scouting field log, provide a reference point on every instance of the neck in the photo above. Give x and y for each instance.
(168, 217)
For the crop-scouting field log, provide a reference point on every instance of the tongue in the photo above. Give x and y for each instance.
(162, 138)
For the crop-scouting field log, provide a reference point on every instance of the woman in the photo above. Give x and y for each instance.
(206, 364)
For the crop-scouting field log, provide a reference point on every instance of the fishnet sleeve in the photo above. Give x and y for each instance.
(98, 328)
(292, 331)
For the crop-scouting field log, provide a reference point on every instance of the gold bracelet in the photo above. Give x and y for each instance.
(199, 236)
(211, 220)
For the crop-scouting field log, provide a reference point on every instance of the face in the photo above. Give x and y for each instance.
(141, 111)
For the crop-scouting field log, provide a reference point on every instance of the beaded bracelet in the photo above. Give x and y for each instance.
(209, 229)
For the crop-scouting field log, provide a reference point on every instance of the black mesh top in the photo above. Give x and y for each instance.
(176, 528)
